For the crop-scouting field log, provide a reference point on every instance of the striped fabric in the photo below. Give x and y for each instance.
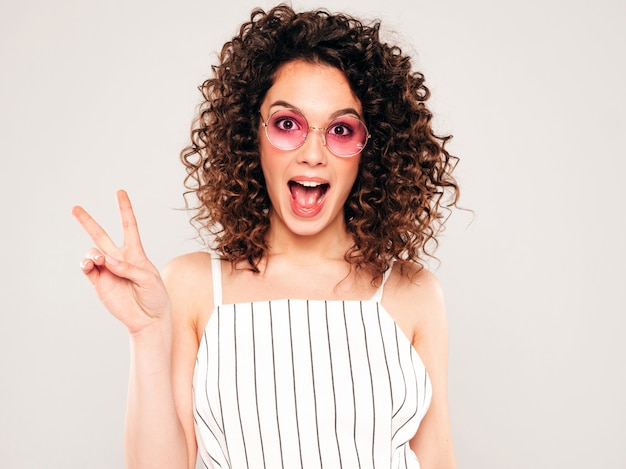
(307, 384)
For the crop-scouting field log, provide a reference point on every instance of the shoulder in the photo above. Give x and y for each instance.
(186, 273)
(413, 279)
(188, 281)
(414, 286)
(186, 268)
(415, 296)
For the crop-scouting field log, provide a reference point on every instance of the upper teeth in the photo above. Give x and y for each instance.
(309, 183)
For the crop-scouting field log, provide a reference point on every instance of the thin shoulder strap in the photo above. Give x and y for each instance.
(378, 294)
(216, 273)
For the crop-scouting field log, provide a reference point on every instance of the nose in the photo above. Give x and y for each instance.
(314, 150)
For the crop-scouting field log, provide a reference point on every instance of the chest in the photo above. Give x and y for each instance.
(310, 355)
(335, 374)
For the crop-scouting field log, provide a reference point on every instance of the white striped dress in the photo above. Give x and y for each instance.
(289, 384)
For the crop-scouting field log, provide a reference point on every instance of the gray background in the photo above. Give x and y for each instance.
(96, 96)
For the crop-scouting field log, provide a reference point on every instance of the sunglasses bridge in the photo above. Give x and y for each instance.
(320, 129)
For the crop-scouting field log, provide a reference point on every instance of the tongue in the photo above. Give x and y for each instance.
(306, 197)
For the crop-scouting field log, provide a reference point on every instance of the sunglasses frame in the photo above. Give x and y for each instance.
(311, 127)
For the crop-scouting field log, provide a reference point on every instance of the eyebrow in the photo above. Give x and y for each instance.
(340, 112)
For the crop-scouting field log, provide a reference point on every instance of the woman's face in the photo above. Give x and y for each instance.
(308, 186)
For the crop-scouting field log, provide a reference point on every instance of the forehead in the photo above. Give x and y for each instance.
(314, 89)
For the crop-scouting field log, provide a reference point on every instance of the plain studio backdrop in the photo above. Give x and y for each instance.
(97, 96)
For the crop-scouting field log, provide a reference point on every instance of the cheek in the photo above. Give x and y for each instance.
(265, 152)
(272, 167)
(352, 171)
(265, 159)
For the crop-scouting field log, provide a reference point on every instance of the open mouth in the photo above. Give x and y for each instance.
(307, 195)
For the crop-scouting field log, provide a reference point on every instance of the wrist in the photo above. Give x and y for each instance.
(154, 339)
(151, 327)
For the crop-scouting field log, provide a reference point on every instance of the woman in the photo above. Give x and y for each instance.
(311, 336)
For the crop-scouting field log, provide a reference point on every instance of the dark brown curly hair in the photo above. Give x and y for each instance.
(396, 207)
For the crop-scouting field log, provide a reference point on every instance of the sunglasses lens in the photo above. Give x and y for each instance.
(287, 129)
(346, 136)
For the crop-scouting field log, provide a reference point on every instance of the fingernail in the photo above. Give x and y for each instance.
(111, 260)
(83, 263)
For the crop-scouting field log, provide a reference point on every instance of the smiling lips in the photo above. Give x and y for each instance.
(307, 197)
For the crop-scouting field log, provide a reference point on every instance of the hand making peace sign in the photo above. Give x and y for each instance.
(125, 280)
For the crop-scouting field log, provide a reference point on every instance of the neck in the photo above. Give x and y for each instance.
(328, 245)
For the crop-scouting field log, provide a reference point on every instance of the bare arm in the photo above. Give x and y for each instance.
(433, 441)
(132, 290)
(186, 278)
(419, 297)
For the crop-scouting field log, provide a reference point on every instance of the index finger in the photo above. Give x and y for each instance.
(93, 229)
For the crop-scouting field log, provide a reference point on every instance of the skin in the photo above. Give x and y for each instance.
(166, 313)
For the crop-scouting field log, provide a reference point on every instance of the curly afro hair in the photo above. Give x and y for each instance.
(396, 208)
